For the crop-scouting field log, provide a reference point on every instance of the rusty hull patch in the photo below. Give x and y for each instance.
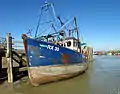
(34, 50)
(65, 58)
(25, 45)
(25, 42)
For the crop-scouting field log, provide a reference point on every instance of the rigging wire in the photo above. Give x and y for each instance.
(39, 19)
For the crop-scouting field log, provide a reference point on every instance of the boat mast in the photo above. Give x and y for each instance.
(38, 23)
(53, 11)
(46, 5)
(76, 28)
(77, 35)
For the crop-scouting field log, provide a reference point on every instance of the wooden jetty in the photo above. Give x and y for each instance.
(10, 55)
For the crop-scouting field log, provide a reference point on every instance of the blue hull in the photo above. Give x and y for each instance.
(40, 53)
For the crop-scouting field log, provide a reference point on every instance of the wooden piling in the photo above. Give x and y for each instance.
(0, 63)
(9, 58)
(90, 54)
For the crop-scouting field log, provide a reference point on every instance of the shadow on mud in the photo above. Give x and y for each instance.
(16, 74)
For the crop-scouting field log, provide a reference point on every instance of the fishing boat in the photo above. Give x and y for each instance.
(55, 55)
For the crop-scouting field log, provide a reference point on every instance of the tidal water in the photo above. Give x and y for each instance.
(102, 77)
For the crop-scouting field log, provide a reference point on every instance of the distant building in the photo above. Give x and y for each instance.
(98, 53)
(109, 53)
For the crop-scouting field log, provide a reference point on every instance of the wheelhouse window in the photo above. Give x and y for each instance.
(75, 44)
(61, 44)
(64, 45)
(69, 43)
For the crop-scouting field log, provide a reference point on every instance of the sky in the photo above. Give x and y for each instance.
(98, 20)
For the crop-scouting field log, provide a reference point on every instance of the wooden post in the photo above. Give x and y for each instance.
(9, 58)
(0, 63)
(90, 53)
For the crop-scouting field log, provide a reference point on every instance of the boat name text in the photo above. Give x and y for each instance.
(50, 47)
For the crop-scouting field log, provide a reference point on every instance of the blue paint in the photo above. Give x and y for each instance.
(39, 54)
